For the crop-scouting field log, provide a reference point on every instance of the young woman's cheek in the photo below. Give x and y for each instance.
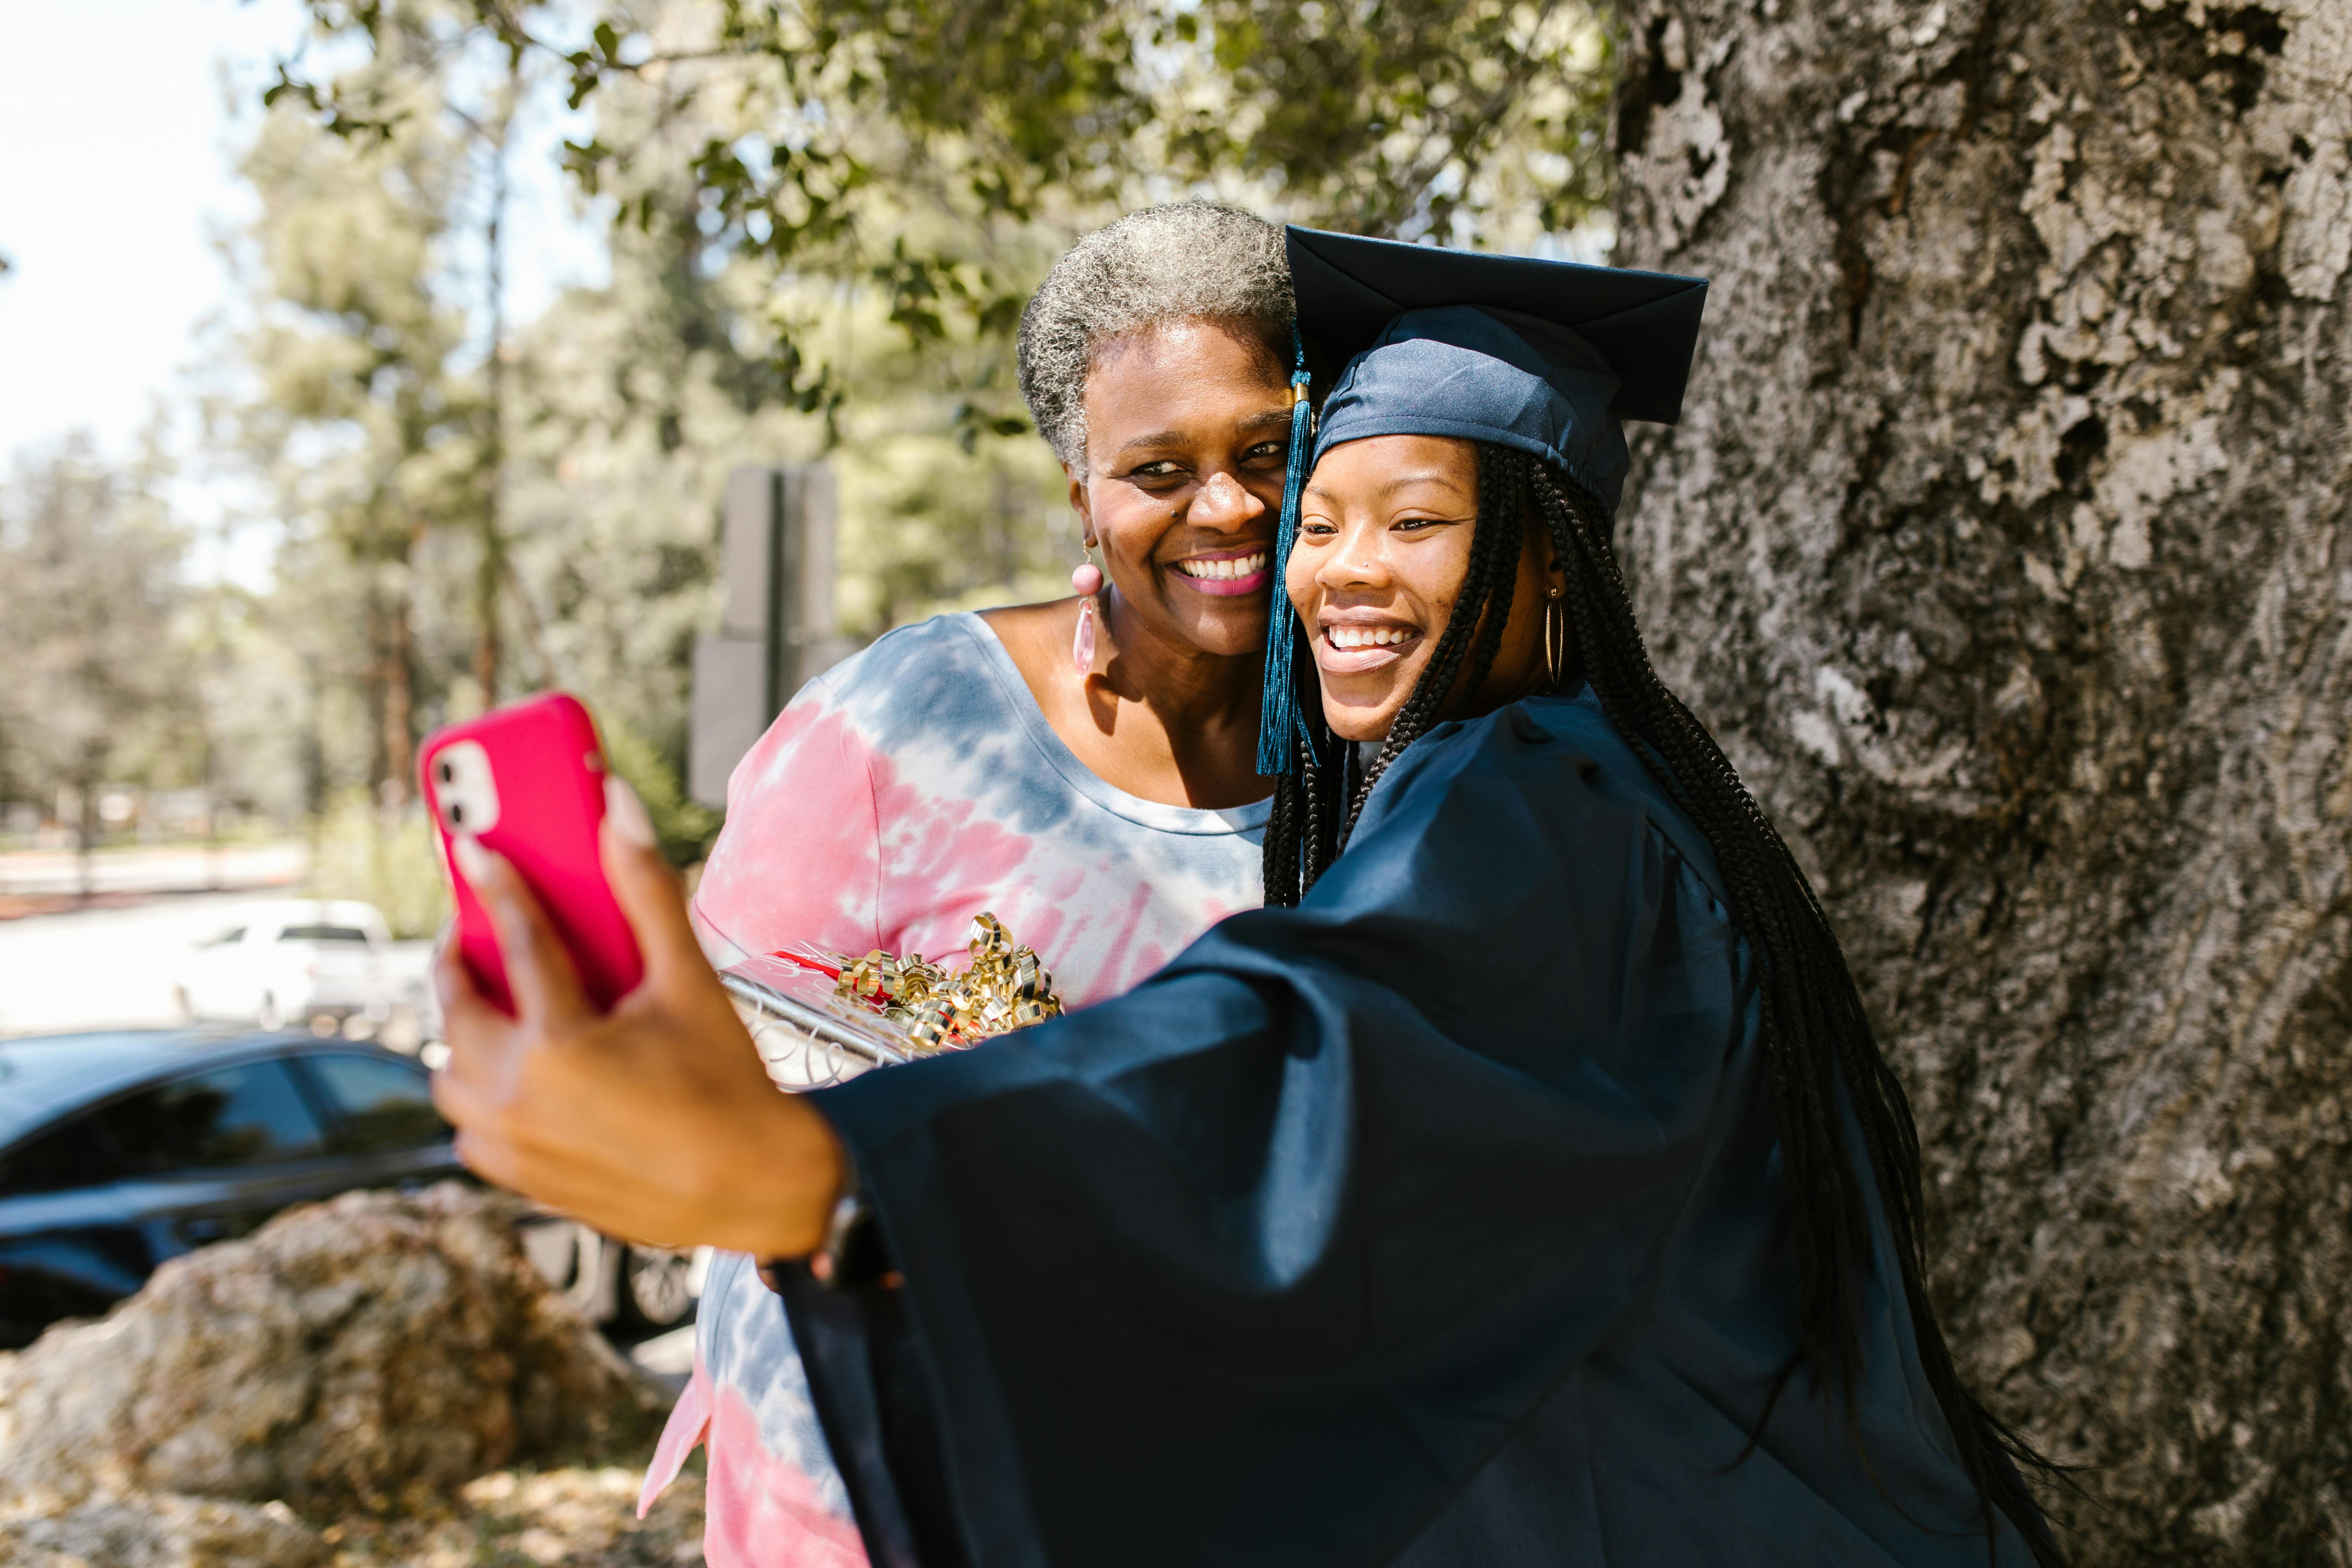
(1432, 575)
(1298, 579)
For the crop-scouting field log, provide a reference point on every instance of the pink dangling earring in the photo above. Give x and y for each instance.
(1087, 579)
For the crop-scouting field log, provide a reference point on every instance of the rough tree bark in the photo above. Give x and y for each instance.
(2006, 545)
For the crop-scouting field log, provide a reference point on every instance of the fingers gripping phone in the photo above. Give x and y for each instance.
(527, 781)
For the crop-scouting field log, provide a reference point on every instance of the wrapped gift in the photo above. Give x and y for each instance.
(819, 1018)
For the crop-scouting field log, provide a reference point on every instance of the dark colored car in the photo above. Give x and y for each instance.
(119, 1150)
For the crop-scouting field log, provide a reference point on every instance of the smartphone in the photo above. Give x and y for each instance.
(527, 781)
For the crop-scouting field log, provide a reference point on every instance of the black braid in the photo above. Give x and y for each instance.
(1277, 852)
(1816, 1037)
(1302, 826)
(1503, 564)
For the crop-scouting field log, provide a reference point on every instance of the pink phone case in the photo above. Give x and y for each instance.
(549, 775)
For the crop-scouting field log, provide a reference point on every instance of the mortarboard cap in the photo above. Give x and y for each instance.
(1544, 356)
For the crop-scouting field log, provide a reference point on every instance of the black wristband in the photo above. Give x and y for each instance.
(853, 1255)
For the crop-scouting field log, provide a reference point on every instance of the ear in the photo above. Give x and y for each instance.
(1546, 553)
(1080, 503)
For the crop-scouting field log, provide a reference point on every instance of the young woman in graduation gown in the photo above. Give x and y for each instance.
(1521, 1186)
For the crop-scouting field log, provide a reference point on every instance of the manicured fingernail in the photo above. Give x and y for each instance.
(627, 813)
(473, 860)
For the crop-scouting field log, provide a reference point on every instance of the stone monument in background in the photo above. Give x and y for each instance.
(780, 629)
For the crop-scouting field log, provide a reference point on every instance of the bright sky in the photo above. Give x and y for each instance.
(114, 153)
(119, 124)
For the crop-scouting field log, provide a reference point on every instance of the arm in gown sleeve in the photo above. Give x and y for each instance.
(1256, 1263)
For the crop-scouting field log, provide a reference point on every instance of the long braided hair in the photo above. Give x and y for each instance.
(1819, 1054)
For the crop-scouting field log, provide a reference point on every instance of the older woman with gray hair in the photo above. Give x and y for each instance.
(1084, 768)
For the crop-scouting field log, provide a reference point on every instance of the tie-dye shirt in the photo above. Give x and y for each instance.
(900, 794)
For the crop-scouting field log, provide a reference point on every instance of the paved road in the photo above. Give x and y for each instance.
(69, 965)
(103, 967)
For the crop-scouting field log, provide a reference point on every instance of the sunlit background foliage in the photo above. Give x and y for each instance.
(822, 221)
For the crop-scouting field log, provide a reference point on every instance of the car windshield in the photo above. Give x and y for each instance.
(323, 934)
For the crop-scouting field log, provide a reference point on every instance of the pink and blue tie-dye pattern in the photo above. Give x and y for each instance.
(773, 1496)
(900, 794)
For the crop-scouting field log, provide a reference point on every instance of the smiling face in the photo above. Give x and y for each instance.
(1384, 533)
(1187, 425)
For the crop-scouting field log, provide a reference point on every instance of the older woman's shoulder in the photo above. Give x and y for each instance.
(949, 642)
(940, 672)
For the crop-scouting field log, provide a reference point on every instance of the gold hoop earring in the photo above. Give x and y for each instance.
(1555, 637)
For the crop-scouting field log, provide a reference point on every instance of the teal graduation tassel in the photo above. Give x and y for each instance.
(1278, 717)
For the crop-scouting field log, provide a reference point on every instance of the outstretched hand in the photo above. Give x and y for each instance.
(654, 1122)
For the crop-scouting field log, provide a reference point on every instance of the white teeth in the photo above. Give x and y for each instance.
(1240, 566)
(1366, 636)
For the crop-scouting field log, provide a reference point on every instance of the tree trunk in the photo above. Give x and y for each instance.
(2005, 545)
(86, 837)
(399, 679)
(491, 574)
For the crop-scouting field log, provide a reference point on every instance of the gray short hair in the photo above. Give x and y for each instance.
(1183, 261)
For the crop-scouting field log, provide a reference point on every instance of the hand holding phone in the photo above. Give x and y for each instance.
(527, 781)
(654, 1118)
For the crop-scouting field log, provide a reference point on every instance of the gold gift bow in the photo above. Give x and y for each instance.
(1003, 988)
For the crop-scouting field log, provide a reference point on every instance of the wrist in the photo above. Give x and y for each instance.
(796, 1171)
(853, 1255)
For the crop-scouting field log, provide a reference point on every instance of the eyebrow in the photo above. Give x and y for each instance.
(1391, 487)
(1266, 419)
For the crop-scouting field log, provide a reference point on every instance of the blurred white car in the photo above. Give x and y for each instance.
(322, 962)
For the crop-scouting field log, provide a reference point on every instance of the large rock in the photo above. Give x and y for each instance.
(157, 1529)
(366, 1354)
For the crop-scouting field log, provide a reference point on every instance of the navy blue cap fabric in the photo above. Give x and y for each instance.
(1544, 356)
(1485, 375)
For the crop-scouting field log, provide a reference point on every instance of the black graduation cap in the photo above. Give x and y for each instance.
(1642, 325)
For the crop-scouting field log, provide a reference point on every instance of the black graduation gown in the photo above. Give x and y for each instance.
(1431, 1222)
